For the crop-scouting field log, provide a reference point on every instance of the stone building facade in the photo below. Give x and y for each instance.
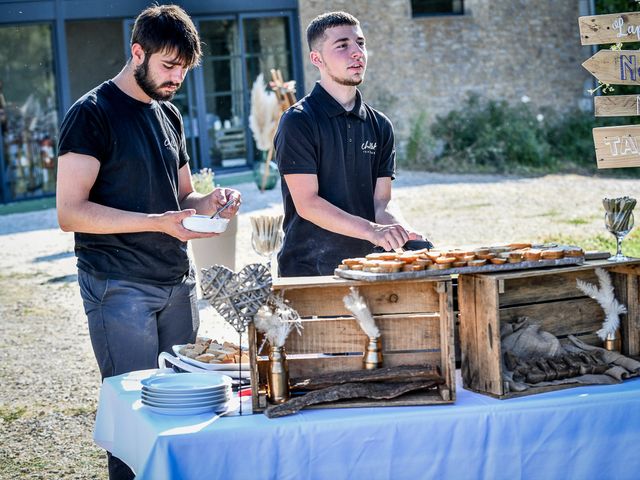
(501, 49)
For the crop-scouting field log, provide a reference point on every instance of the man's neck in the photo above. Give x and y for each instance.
(343, 94)
(126, 82)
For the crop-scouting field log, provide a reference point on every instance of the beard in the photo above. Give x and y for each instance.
(347, 81)
(149, 87)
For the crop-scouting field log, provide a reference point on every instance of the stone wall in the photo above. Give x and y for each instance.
(500, 49)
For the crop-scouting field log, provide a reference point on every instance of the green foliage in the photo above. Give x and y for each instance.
(203, 181)
(493, 136)
(570, 139)
(420, 147)
(490, 135)
(615, 6)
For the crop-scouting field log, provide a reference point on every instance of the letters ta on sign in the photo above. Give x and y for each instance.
(617, 147)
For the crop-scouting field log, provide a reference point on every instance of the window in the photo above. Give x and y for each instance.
(29, 119)
(425, 8)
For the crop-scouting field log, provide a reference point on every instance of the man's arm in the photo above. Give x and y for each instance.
(313, 208)
(76, 175)
(209, 203)
(381, 200)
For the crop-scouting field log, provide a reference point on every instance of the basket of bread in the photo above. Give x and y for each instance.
(212, 355)
(417, 263)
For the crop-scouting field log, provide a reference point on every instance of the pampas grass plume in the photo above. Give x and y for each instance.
(357, 305)
(265, 113)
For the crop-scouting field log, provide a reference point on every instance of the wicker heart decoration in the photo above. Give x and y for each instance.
(237, 296)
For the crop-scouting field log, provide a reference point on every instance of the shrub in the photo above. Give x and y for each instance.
(419, 151)
(493, 136)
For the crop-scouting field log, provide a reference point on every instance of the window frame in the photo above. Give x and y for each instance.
(452, 13)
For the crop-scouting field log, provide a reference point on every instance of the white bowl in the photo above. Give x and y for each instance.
(205, 224)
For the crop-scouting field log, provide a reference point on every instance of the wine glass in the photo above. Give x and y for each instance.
(619, 224)
(266, 235)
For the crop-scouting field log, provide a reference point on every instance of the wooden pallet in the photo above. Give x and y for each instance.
(415, 318)
(548, 297)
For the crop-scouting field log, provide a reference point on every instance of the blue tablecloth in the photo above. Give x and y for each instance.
(580, 433)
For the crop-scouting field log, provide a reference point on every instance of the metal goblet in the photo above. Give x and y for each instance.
(619, 224)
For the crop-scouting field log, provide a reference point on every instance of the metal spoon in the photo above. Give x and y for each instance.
(223, 208)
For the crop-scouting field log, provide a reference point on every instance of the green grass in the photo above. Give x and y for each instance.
(603, 242)
(80, 411)
(24, 206)
(11, 414)
(577, 221)
(550, 213)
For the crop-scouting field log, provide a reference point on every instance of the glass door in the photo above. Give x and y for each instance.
(222, 79)
(267, 47)
(28, 111)
(215, 99)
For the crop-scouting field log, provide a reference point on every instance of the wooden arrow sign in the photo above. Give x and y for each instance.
(617, 106)
(616, 67)
(614, 28)
(617, 147)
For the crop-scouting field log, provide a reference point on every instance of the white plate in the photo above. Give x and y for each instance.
(166, 398)
(221, 367)
(183, 405)
(189, 395)
(208, 382)
(205, 224)
(187, 411)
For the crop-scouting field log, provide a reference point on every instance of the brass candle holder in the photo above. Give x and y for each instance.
(278, 376)
(373, 354)
(613, 343)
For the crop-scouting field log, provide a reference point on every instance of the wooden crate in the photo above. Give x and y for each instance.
(414, 316)
(548, 297)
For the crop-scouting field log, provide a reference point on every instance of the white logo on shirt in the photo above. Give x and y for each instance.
(368, 147)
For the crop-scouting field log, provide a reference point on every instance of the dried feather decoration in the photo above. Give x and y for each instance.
(357, 305)
(275, 320)
(605, 297)
(265, 113)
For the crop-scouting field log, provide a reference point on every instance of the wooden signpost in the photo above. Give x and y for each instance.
(616, 147)
(617, 106)
(614, 28)
(617, 67)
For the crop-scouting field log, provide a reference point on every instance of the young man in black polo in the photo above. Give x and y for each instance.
(337, 158)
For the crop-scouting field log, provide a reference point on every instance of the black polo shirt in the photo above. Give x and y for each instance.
(348, 151)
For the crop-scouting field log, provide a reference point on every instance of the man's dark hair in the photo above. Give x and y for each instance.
(317, 27)
(168, 28)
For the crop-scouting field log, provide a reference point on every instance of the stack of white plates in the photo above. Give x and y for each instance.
(186, 393)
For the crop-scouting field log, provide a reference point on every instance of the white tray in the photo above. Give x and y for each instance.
(223, 367)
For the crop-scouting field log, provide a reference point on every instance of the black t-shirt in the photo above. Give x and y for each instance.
(348, 151)
(140, 147)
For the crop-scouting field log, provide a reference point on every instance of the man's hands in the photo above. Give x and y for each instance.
(392, 236)
(219, 197)
(171, 222)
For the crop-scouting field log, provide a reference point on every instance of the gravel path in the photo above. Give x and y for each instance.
(49, 382)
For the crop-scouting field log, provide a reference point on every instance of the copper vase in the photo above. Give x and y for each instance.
(613, 342)
(373, 354)
(278, 377)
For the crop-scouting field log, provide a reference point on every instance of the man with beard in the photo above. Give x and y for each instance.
(124, 187)
(337, 157)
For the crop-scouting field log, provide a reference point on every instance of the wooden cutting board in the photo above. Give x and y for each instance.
(385, 277)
